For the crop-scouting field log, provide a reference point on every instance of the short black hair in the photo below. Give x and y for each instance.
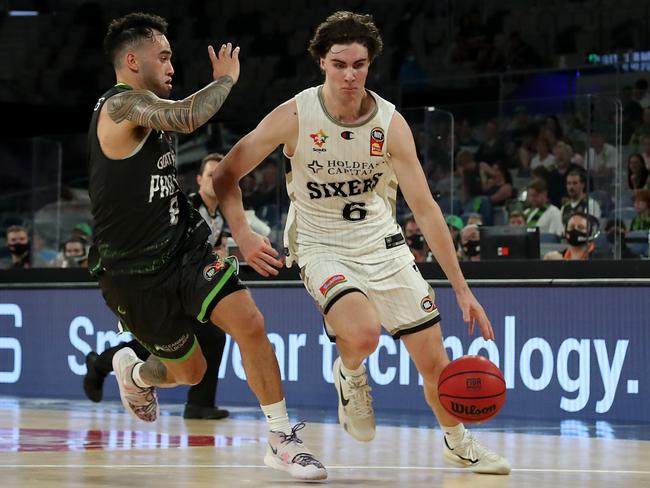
(131, 29)
(345, 27)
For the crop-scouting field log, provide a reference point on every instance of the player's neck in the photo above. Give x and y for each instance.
(210, 202)
(350, 111)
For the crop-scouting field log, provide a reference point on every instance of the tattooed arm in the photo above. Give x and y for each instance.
(145, 109)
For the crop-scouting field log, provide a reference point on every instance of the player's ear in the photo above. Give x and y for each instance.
(131, 62)
(321, 65)
(198, 180)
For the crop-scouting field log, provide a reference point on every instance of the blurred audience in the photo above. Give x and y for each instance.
(540, 212)
(578, 200)
(578, 233)
(641, 220)
(470, 243)
(19, 246)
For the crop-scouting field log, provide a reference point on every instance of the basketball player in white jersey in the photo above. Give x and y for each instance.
(349, 148)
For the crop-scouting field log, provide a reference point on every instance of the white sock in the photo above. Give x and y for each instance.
(454, 434)
(352, 372)
(277, 416)
(137, 379)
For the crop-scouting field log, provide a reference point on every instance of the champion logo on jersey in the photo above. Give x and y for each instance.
(331, 282)
(348, 135)
(319, 138)
(377, 141)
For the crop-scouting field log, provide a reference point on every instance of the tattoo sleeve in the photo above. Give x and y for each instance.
(147, 110)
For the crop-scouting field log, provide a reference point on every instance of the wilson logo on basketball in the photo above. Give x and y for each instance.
(472, 409)
(427, 304)
(473, 383)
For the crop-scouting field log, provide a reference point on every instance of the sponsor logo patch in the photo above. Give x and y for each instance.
(315, 166)
(174, 346)
(319, 139)
(212, 269)
(427, 304)
(331, 282)
(377, 141)
(347, 135)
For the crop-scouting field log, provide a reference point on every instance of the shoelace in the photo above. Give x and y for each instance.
(362, 401)
(302, 458)
(475, 450)
(293, 437)
(147, 409)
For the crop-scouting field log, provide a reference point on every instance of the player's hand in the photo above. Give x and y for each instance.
(259, 254)
(473, 312)
(225, 62)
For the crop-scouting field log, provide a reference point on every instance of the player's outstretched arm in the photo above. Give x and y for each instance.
(278, 127)
(428, 215)
(145, 109)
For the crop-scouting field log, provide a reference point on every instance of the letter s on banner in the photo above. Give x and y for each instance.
(12, 343)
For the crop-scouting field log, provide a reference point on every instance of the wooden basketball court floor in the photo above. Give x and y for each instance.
(58, 443)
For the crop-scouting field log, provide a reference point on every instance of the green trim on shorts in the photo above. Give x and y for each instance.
(217, 288)
(184, 357)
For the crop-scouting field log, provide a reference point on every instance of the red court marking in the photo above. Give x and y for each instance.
(32, 440)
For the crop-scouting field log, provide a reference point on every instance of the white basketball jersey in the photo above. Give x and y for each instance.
(342, 186)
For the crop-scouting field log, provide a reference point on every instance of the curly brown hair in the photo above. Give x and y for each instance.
(345, 27)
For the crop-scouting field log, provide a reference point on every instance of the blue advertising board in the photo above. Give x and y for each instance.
(566, 352)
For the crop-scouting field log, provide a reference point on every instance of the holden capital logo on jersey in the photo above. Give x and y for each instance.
(377, 141)
(319, 139)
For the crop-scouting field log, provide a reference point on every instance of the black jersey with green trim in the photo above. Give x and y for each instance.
(141, 216)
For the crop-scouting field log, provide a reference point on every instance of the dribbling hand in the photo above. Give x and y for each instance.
(259, 254)
(225, 62)
(473, 313)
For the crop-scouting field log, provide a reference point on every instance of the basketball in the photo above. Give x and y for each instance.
(472, 389)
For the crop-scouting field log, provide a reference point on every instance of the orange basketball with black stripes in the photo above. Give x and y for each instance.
(472, 389)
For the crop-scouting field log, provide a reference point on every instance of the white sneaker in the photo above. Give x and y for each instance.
(142, 403)
(355, 404)
(471, 454)
(288, 453)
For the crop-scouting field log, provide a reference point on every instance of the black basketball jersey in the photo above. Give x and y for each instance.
(141, 216)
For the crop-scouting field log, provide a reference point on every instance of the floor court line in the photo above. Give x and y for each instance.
(329, 467)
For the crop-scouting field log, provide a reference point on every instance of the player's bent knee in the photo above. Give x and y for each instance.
(250, 327)
(365, 343)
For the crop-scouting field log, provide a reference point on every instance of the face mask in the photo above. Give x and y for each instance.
(472, 248)
(19, 248)
(576, 237)
(415, 241)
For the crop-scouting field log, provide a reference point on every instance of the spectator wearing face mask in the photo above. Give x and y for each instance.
(19, 247)
(470, 243)
(415, 240)
(74, 254)
(578, 234)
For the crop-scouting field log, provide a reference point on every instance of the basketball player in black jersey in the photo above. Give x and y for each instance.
(200, 397)
(155, 269)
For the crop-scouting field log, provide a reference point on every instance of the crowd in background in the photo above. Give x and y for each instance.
(524, 164)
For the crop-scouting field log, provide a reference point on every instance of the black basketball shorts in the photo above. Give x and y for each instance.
(161, 310)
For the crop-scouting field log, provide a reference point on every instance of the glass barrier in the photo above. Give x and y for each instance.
(30, 198)
(483, 163)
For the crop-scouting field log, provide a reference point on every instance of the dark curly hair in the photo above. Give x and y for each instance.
(345, 28)
(131, 30)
